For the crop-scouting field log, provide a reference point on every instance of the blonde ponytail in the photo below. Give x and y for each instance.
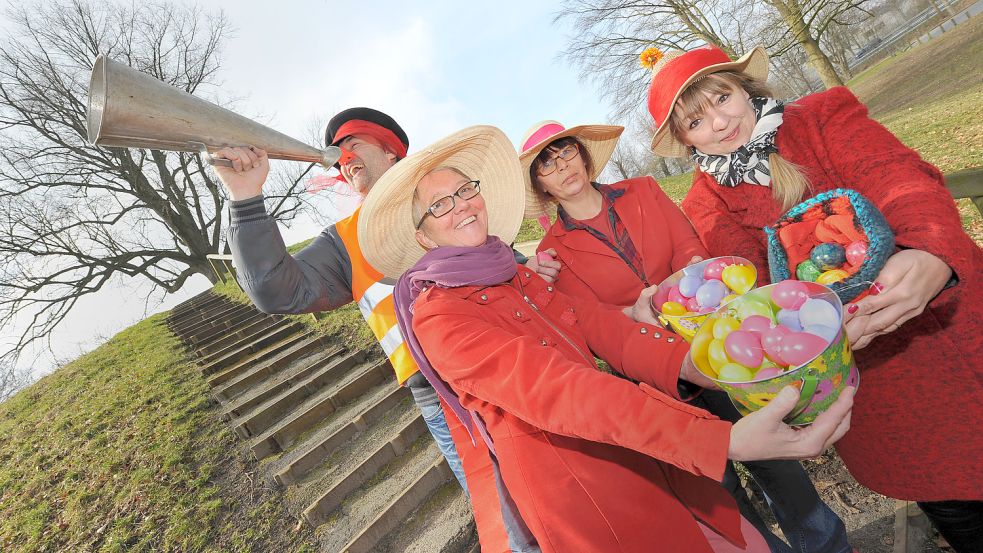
(788, 183)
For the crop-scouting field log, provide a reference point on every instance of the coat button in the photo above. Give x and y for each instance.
(549, 288)
(518, 314)
(656, 335)
(542, 342)
(484, 297)
(643, 330)
(527, 275)
(670, 339)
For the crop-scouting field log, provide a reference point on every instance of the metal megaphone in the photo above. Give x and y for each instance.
(131, 109)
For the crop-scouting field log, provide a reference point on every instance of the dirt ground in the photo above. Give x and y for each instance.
(869, 516)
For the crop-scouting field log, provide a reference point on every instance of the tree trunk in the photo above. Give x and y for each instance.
(791, 13)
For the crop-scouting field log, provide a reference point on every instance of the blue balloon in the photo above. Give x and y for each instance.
(689, 285)
(827, 333)
(710, 293)
(818, 312)
(789, 319)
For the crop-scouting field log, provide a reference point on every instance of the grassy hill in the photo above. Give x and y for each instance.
(123, 450)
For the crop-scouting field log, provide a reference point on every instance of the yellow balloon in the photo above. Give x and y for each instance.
(673, 308)
(717, 355)
(831, 276)
(724, 326)
(734, 372)
(728, 298)
(739, 278)
(698, 348)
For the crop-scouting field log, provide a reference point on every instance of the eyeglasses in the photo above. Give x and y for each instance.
(548, 166)
(445, 205)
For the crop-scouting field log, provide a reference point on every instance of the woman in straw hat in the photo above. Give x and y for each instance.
(592, 461)
(919, 327)
(614, 241)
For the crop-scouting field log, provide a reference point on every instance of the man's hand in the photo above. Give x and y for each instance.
(245, 178)
(549, 269)
(762, 435)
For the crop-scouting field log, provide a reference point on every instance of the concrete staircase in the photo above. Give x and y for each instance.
(330, 426)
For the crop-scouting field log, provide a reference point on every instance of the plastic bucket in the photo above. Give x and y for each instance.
(819, 380)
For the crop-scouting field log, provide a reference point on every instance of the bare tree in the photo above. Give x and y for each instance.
(806, 23)
(74, 217)
(11, 378)
(612, 33)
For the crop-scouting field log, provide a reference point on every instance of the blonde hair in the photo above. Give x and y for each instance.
(788, 182)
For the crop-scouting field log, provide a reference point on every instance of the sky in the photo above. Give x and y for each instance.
(435, 66)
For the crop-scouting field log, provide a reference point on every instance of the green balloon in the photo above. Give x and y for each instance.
(807, 270)
(753, 306)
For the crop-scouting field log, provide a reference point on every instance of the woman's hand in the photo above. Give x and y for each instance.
(690, 373)
(694, 260)
(642, 311)
(549, 269)
(908, 281)
(762, 435)
(245, 178)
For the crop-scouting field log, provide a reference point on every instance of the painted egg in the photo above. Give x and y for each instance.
(710, 294)
(831, 276)
(714, 269)
(676, 296)
(674, 309)
(807, 271)
(856, 252)
(828, 255)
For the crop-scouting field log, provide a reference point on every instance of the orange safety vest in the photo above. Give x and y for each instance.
(375, 301)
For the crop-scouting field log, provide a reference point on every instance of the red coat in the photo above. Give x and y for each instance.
(664, 238)
(593, 461)
(915, 427)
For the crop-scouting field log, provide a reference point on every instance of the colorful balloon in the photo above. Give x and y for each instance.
(801, 347)
(770, 371)
(728, 297)
(827, 333)
(710, 294)
(744, 347)
(700, 344)
(789, 319)
(789, 294)
(807, 271)
(689, 284)
(756, 323)
(692, 304)
(831, 276)
(828, 255)
(717, 355)
(724, 326)
(771, 342)
(714, 269)
(856, 252)
(732, 372)
(818, 312)
(739, 278)
(750, 306)
(674, 309)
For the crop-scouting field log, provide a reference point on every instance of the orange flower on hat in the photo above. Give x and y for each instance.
(650, 57)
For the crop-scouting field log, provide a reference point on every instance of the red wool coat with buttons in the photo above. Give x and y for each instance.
(663, 237)
(594, 462)
(915, 426)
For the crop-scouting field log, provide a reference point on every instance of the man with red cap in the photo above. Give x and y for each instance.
(331, 272)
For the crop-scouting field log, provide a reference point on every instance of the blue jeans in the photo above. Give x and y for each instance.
(433, 415)
(809, 525)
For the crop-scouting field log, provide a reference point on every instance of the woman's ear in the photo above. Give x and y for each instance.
(424, 240)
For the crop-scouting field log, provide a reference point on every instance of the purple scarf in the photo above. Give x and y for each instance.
(451, 267)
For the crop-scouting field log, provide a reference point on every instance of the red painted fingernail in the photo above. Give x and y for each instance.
(852, 309)
(877, 288)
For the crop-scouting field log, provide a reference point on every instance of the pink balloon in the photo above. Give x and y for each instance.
(692, 305)
(677, 297)
(771, 342)
(768, 372)
(801, 347)
(789, 294)
(744, 347)
(756, 323)
(714, 269)
(856, 252)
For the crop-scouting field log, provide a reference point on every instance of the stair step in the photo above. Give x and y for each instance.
(234, 335)
(312, 412)
(206, 337)
(313, 454)
(215, 318)
(254, 369)
(249, 349)
(318, 511)
(270, 412)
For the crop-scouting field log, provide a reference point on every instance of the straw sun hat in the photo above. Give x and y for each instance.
(386, 231)
(676, 70)
(599, 140)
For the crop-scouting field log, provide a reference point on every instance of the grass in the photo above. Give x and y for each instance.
(121, 450)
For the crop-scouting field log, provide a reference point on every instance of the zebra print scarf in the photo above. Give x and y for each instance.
(750, 162)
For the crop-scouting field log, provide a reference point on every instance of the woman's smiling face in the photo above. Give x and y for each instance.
(467, 222)
(724, 124)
